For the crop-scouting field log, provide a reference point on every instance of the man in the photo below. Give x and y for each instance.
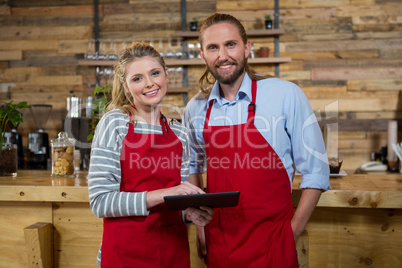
(253, 131)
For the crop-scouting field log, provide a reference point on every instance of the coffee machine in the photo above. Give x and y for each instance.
(38, 142)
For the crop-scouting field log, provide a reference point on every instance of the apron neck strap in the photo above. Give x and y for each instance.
(211, 102)
(251, 106)
(164, 124)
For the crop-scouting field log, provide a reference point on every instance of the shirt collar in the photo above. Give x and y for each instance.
(244, 92)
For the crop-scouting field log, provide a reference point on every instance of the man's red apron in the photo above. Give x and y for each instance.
(256, 233)
(159, 239)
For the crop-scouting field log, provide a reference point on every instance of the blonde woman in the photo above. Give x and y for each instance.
(137, 158)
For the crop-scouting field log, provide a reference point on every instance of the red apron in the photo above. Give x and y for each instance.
(256, 233)
(159, 239)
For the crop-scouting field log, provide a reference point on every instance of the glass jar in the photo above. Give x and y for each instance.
(63, 155)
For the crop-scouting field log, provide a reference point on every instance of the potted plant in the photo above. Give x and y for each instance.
(193, 24)
(8, 152)
(268, 22)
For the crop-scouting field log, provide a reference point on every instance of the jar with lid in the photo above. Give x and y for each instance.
(62, 155)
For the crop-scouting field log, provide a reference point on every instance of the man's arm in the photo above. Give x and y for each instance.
(308, 200)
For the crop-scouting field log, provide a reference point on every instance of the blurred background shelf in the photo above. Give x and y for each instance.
(187, 62)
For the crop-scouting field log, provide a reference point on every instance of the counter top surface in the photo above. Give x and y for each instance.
(375, 190)
(44, 178)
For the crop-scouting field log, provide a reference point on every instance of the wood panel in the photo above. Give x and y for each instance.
(361, 63)
(78, 233)
(55, 11)
(11, 55)
(375, 84)
(375, 11)
(18, 74)
(44, 61)
(361, 73)
(330, 3)
(15, 217)
(345, 105)
(344, 45)
(29, 45)
(49, 3)
(226, 6)
(353, 124)
(342, 234)
(45, 21)
(142, 7)
(60, 32)
(5, 10)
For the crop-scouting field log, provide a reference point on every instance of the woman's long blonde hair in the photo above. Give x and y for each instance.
(120, 98)
(207, 80)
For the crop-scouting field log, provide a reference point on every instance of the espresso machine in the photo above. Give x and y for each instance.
(38, 142)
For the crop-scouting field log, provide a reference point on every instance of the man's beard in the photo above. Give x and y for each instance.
(227, 80)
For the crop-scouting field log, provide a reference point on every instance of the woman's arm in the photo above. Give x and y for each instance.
(104, 174)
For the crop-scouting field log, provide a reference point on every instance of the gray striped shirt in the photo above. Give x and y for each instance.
(104, 175)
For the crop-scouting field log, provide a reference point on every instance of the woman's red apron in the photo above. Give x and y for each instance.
(256, 233)
(159, 239)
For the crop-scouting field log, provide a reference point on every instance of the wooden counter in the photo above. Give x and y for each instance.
(375, 190)
(357, 223)
(34, 185)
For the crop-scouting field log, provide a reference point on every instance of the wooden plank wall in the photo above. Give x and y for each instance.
(346, 55)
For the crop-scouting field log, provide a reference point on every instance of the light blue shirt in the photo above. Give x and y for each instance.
(284, 118)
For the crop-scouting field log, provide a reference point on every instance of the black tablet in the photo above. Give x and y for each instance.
(213, 200)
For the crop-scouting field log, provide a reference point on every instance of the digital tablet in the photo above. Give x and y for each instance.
(213, 200)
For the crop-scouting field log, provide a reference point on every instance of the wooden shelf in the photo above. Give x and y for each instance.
(262, 32)
(180, 62)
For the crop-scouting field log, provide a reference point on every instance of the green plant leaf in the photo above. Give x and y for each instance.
(22, 105)
(97, 90)
(15, 117)
(90, 136)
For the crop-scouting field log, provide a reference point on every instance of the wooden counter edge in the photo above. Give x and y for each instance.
(331, 198)
(44, 193)
(355, 199)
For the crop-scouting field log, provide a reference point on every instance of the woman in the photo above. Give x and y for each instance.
(137, 158)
